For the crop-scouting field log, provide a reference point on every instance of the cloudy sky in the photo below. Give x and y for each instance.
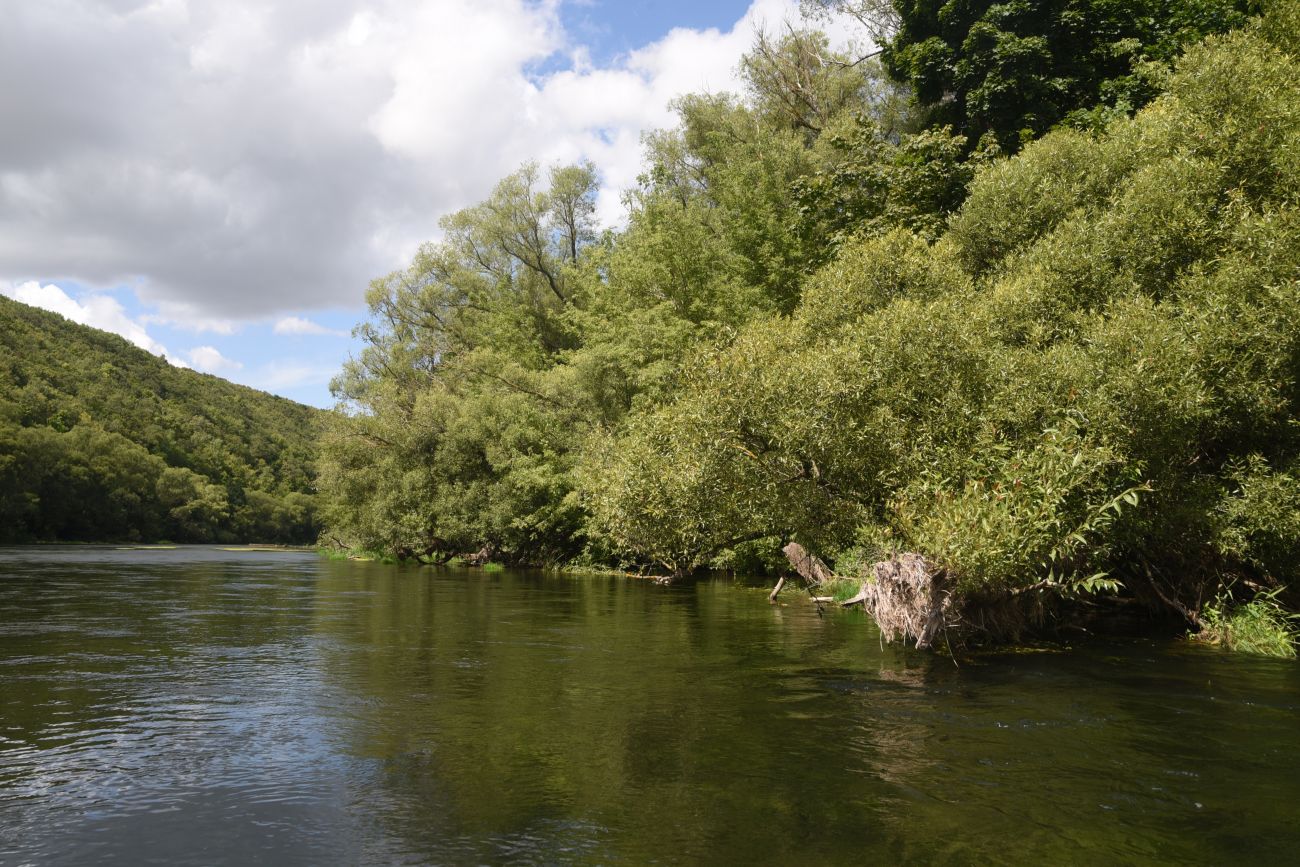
(218, 180)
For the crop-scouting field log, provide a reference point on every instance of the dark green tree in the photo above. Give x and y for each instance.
(1015, 69)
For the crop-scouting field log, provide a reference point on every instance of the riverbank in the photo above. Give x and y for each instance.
(1261, 625)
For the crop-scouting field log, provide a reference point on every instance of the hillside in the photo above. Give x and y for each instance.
(102, 440)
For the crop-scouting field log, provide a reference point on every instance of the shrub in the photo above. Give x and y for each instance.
(1259, 626)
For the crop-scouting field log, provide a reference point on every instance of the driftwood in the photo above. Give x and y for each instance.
(912, 600)
(809, 567)
(480, 557)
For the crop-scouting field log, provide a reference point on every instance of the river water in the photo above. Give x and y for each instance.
(201, 706)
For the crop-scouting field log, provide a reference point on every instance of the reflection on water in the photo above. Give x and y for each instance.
(205, 706)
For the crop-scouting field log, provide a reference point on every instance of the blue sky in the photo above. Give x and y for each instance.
(615, 28)
(219, 180)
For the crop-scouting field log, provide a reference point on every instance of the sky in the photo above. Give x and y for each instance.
(219, 180)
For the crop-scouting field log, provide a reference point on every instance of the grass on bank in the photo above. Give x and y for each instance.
(841, 589)
(369, 556)
(356, 554)
(1260, 626)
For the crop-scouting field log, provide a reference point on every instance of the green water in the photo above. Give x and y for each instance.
(198, 706)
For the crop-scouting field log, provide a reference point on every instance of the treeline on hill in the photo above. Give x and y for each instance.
(1030, 308)
(100, 440)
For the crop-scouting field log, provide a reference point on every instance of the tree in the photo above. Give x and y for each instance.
(457, 439)
(196, 510)
(1012, 70)
(1088, 379)
(796, 80)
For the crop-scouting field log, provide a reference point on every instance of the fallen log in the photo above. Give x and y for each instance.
(481, 557)
(809, 567)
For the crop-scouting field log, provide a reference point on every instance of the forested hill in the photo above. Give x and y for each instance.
(100, 440)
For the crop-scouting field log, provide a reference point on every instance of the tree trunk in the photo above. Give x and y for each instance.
(480, 557)
(809, 567)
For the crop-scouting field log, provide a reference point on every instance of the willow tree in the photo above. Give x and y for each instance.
(1089, 380)
(449, 440)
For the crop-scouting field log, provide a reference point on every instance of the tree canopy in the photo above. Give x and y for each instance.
(1012, 70)
(835, 316)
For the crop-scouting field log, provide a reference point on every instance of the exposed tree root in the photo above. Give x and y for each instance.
(481, 557)
(912, 600)
(907, 598)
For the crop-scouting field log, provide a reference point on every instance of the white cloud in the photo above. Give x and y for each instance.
(233, 159)
(298, 325)
(190, 318)
(48, 297)
(287, 373)
(98, 311)
(210, 360)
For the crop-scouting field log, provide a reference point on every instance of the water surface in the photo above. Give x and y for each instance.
(199, 706)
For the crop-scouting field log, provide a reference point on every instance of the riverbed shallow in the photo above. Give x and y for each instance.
(200, 706)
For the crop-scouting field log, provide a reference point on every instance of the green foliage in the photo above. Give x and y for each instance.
(1068, 372)
(1061, 393)
(799, 83)
(462, 423)
(1012, 70)
(1015, 202)
(481, 387)
(871, 273)
(1037, 514)
(1260, 518)
(101, 440)
(732, 173)
(195, 507)
(876, 179)
(1260, 626)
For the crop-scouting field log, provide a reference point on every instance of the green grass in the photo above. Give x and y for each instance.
(841, 588)
(332, 553)
(1259, 626)
(357, 554)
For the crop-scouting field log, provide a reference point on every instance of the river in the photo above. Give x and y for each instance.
(204, 706)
